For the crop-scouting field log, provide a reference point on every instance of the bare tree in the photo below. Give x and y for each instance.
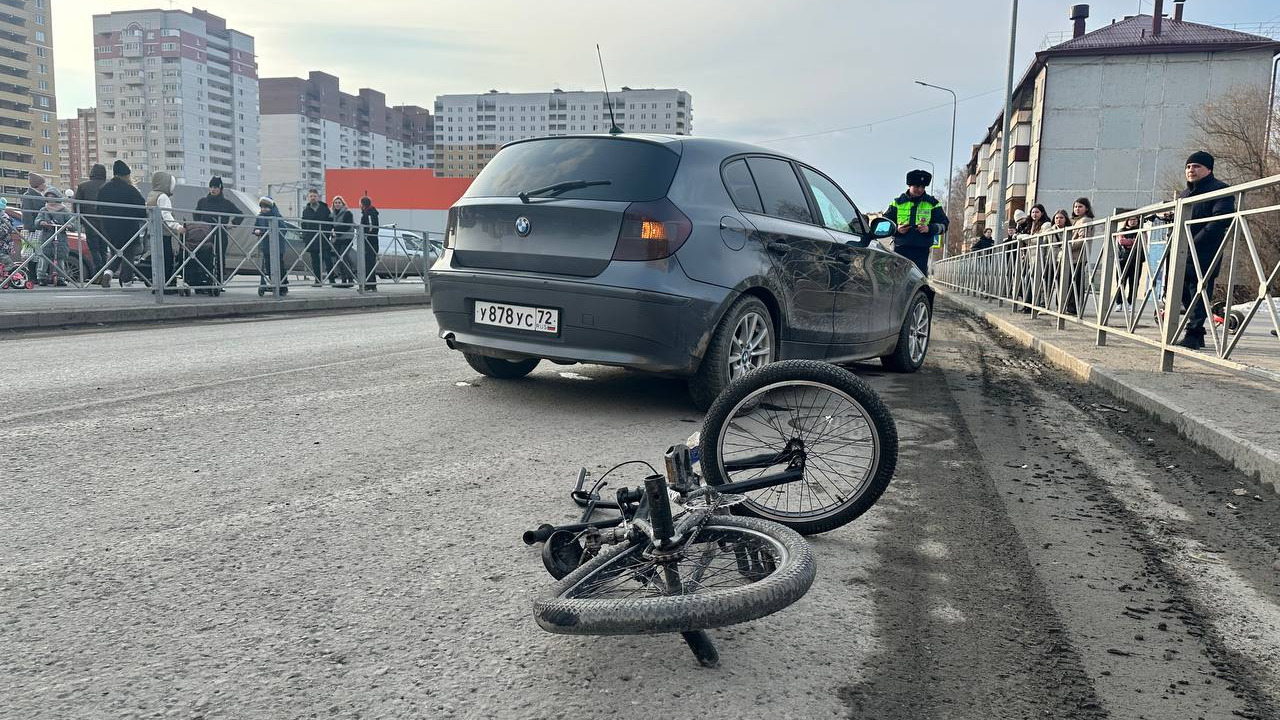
(955, 239)
(1232, 128)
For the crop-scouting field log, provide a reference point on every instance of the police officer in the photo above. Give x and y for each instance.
(919, 217)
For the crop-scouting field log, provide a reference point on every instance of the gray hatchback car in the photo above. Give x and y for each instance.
(682, 256)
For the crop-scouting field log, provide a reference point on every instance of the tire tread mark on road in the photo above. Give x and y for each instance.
(1246, 680)
(1011, 657)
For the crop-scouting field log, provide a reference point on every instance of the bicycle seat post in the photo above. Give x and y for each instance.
(655, 488)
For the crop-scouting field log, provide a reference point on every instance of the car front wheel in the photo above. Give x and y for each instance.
(743, 341)
(498, 368)
(913, 337)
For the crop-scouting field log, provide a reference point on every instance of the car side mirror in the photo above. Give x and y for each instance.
(882, 227)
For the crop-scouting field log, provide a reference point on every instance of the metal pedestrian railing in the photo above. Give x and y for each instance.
(1110, 273)
(186, 251)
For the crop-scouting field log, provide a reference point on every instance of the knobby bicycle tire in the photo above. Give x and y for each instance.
(574, 606)
(777, 379)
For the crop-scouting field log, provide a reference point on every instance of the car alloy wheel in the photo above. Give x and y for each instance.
(919, 332)
(751, 347)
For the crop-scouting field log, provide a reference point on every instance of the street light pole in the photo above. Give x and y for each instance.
(933, 170)
(951, 159)
(1007, 122)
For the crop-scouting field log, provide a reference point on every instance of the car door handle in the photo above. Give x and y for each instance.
(843, 256)
(778, 248)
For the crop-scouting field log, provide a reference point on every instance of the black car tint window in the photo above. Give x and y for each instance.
(635, 170)
(737, 179)
(780, 189)
(836, 210)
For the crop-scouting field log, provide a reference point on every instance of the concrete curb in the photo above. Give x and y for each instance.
(193, 311)
(1244, 454)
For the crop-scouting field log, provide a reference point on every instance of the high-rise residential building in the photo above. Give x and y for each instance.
(310, 125)
(28, 111)
(469, 129)
(177, 91)
(77, 147)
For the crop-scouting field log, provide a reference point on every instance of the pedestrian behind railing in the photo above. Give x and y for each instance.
(1150, 274)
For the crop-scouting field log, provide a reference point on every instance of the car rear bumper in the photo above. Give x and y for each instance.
(601, 324)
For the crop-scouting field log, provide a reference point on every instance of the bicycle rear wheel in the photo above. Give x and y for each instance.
(734, 570)
(764, 421)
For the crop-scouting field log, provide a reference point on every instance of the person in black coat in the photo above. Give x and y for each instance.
(984, 241)
(316, 227)
(86, 193)
(1206, 239)
(369, 223)
(120, 225)
(217, 210)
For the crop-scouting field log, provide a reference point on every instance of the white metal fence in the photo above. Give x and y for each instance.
(203, 252)
(1124, 275)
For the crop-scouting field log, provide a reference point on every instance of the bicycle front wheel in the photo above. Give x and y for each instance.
(734, 570)
(766, 421)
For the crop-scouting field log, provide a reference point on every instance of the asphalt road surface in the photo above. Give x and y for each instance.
(321, 517)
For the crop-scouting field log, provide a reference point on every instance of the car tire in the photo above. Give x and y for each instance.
(913, 337)
(498, 368)
(724, 360)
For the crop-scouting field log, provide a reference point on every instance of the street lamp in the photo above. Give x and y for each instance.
(933, 171)
(951, 159)
(1007, 120)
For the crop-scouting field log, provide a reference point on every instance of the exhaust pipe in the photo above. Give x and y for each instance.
(448, 341)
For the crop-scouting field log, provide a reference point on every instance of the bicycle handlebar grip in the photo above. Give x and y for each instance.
(655, 487)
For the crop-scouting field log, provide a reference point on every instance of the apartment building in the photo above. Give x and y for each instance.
(28, 110)
(1106, 114)
(77, 147)
(177, 91)
(310, 125)
(469, 129)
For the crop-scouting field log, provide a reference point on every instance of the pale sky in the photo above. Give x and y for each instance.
(758, 71)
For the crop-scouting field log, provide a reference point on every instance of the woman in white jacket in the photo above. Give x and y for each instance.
(162, 186)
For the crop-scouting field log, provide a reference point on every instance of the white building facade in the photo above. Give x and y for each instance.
(177, 91)
(469, 129)
(1107, 115)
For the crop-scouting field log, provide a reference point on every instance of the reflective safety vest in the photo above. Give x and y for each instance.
(924, 211)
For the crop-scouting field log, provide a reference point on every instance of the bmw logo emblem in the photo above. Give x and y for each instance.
(523, 226)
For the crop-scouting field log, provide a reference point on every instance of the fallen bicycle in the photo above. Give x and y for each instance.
(795, 447)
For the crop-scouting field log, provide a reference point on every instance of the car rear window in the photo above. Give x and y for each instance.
(637, 170)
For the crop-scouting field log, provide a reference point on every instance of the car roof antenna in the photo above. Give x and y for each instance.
(615, 130)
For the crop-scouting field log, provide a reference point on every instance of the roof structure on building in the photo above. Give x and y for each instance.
(1134, 35)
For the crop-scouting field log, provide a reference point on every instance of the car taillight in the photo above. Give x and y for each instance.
(451, 229)
(651, 231)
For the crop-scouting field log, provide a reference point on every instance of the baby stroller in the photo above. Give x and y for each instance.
(13, 274)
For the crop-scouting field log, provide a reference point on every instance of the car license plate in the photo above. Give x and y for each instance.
(520, 317)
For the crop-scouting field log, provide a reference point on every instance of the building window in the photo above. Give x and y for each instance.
(43, 84)
(40, 51)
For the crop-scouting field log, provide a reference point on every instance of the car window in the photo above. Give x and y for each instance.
(780, 190)
(836, 210)
(635, 170)
(737, 180)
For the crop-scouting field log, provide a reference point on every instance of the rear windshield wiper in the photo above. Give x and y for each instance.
(561, 187)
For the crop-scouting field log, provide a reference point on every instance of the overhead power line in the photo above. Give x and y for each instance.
(875, 122)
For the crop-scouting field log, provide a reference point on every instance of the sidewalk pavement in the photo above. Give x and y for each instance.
(68, 306)
(1232, 413)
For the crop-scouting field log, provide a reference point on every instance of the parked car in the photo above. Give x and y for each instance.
(403, 254)
(692, 257)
